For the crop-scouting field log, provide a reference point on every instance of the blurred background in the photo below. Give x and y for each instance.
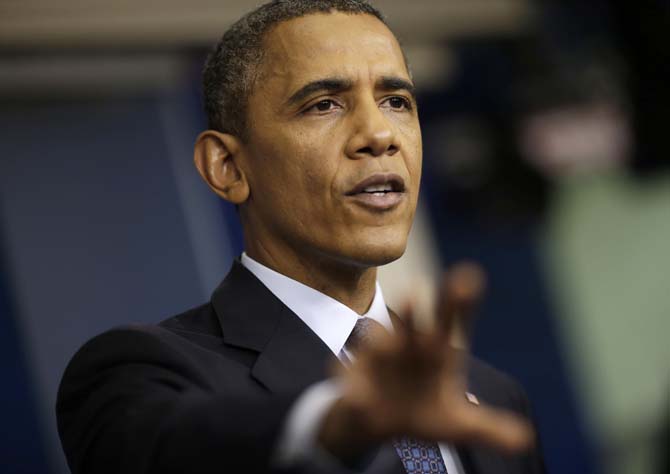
(546, 161)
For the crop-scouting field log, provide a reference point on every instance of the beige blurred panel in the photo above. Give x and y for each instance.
(171, 23)
(432, 64)
(412, 277)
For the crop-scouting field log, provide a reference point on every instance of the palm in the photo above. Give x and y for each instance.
(412, 383)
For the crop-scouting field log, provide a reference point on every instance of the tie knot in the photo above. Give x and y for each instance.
(363, 333)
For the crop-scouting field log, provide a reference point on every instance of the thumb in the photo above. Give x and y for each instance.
(497, 428)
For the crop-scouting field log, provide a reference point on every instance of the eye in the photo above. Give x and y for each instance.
(324, 105)
(398, 103)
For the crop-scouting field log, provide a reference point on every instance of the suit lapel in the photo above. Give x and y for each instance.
(479, 460)
(294, 357)
(291, 355)
(476, 458)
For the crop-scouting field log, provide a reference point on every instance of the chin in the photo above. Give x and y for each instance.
(376, 252)
(387, 254)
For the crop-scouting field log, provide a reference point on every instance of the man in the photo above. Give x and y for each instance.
(314, 135)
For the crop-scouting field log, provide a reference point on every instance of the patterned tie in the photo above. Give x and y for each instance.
(418, 457)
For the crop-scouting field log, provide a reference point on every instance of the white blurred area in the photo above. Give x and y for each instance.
(577, 140)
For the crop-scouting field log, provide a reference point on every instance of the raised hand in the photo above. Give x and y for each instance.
(412, 383)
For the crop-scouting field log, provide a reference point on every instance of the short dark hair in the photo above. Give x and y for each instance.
(231, 67)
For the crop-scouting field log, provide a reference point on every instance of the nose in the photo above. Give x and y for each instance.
(373, 134)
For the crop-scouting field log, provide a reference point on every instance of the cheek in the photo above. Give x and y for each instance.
(317, 198)
(413, 153)
(303, 181)
(315, 167)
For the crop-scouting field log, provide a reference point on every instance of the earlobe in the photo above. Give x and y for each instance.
(216, 158)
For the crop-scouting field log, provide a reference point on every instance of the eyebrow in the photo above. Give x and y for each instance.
(331, 84)
(336, 84)
(392, 83)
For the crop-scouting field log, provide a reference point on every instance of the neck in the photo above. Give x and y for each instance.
(351, 285)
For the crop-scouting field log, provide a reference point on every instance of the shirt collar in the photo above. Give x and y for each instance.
(326, 317)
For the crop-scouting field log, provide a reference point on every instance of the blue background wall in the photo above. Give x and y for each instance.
(94, 234)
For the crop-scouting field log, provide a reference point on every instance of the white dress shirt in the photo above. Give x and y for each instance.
(332, 322)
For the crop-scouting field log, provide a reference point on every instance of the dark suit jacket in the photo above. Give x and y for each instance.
(207, 391)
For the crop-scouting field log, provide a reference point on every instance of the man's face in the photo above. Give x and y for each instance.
(333, 149)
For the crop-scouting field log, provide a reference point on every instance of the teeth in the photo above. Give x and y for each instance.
(378, 188)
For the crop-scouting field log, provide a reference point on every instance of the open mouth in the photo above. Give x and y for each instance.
(379, 185)
(379, 192)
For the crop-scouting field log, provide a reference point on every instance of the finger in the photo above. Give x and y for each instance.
(408, 316)
(409, 330)
(446, 306)
(497, 428)
(421, 348)
(462, 287)
(455, 363)
(465, 286)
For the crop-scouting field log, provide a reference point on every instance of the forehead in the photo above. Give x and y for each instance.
(330, 44)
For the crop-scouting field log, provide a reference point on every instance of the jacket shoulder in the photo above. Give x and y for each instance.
(199, 320)
(157, 398)
(496, 387)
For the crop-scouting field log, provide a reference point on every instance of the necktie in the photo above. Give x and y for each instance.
(418, 457)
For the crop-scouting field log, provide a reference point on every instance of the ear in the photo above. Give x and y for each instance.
(216, 158)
